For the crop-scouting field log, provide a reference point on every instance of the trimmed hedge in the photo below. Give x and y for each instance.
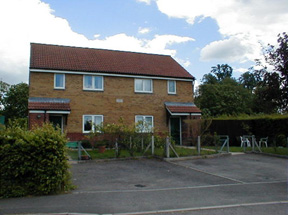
(33, 162)
(262, 127)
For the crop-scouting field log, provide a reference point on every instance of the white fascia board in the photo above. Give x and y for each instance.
(58, 112)
(111, 74)
(185, 114)
(36, 111)
(49, 111)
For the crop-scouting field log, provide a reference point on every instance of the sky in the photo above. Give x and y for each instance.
(198, 34)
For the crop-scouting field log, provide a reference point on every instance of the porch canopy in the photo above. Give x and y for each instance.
(182, 109)
(49, 105)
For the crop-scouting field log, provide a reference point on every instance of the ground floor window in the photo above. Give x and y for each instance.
(144, 124)
(90, 122)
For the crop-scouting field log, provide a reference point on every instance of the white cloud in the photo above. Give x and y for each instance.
(160, 42)
(242, 23)
(241, 70)
(232, 50)
(145, 1)
(26, 21)
(143, 30)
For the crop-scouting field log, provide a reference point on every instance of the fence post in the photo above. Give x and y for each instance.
(130, 142)
(79, 150)
(152, 145)
(228, 144)
(253, 143)
(199, 145)
(116, 148)
(167, 147)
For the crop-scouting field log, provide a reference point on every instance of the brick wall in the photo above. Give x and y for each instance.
(37, 119)
(105, 103)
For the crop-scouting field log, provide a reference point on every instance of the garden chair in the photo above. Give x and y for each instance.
(263, 140)
(244, 141)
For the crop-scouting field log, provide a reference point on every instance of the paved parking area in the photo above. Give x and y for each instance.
(238, 184)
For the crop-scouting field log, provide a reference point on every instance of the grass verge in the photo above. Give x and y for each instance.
(110, 153)
(270, 150)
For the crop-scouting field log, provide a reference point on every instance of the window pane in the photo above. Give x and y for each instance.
(87, 123)
(147, 85)
(148, 123)
(88, 82)
(98, 120)
(139, 84)
(172, 88)
(139, 119)
(59, 80)
(98, 82)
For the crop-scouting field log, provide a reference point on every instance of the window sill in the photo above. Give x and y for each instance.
(143, 92)
(91, 90)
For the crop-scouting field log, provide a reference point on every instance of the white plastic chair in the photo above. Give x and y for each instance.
(244, 141)
(263, 140)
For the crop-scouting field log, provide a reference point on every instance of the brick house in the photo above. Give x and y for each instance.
(73, 87)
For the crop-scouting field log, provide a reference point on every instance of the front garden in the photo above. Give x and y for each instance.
(158, 152)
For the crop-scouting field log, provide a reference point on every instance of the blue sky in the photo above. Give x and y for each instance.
(197, 33)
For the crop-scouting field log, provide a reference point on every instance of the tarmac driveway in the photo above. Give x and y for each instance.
(238, 184)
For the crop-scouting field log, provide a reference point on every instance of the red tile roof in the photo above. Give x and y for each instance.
(48, 106)
(183, 109)
(53, 57)
(40, 103)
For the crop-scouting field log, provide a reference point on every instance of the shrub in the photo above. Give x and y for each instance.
(32, 162)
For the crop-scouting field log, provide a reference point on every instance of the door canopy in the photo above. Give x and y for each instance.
(51, 105)
(182, 109)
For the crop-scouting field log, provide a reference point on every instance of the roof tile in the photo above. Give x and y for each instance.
(184, 109)
(48, 106)
(53, 57)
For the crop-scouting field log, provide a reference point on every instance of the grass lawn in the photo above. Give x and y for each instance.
(110, 153)
(271, 150)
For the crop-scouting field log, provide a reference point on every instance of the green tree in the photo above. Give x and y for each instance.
(267, 98)
(227, 97)
(15, 101)
(3, 90)
(222, 71)
(209, 79)
(249, 79)
(278, 58)
(271, 94)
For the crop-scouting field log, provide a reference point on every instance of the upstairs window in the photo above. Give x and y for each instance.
(171, 87)
(91, 82)
(59, 81)
(144, 124)
(90, 122)
(143, 86)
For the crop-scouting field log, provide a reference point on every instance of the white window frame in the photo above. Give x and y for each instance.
(93, 122)
(143, 90)
(93, 83)
(144, 121)
(168, 87)
(56, 87)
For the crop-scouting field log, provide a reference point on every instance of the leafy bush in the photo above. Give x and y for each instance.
(32, 162)
(134, 137)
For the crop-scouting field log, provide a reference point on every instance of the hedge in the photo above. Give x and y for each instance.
(33, 162)
(262, 127)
